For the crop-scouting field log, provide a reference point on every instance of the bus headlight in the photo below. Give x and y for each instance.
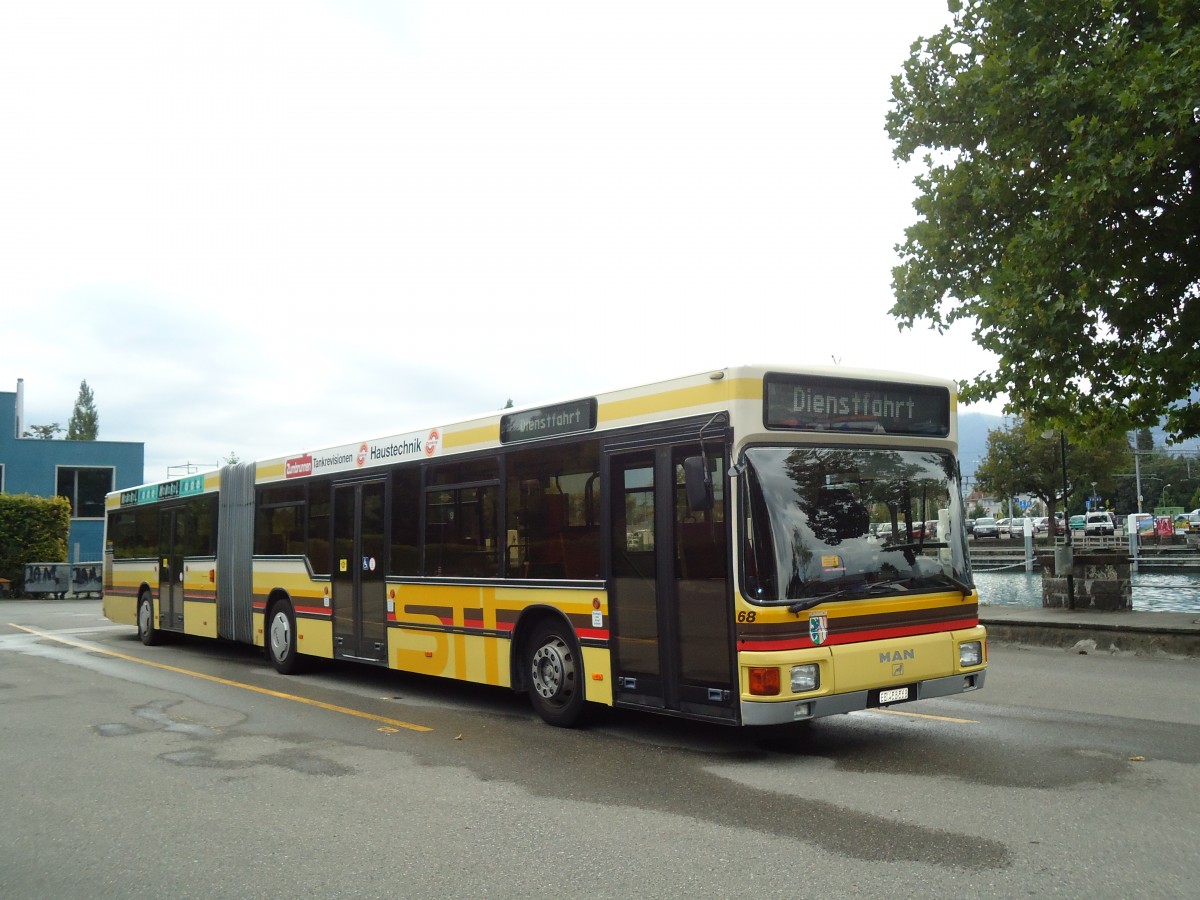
(970, 653)
(806, 678)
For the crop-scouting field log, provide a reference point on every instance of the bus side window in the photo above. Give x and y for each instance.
(551, 529)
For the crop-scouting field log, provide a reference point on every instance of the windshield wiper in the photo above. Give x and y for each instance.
(916, 545)
(798, 606)
(861, 590)
(866, 590)
(958, 583)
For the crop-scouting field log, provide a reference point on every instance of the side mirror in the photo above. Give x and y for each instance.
(699, 484)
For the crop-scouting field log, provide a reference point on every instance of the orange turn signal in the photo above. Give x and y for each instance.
(764, 681)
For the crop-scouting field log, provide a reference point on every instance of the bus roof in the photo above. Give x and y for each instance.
(709, 391)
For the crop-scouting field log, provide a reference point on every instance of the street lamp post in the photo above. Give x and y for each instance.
(1070, 554)
(1064, 560)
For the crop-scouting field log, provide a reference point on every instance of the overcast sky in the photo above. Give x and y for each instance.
(260, 228)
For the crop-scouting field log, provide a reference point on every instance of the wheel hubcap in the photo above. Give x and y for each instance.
(281, 636)
(553, 669)
(144, 618)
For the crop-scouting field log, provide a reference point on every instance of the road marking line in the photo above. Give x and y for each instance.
(225, 681)
(913, 715)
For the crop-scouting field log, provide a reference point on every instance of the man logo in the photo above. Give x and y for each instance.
(818, 627)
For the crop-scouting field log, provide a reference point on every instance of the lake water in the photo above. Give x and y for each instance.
(1152, 591)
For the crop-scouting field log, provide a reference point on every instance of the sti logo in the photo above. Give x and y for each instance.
(433, 443)
(362, 456)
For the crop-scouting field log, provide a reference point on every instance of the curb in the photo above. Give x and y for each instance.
(1143, 634)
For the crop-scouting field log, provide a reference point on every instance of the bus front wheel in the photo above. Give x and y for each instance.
(147, 633)
(555, 669)
(281, 639)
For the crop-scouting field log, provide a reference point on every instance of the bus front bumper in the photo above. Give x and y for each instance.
(780, 712)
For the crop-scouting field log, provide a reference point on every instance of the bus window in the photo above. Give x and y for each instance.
(553, 529)
(279, 522)
(406, 521)
(319, 512)
(461, 533)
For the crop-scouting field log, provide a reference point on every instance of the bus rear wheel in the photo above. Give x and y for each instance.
(281, 639)
(555, 669)
(147, 633)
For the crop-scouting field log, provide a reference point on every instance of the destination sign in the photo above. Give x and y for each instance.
(549, 421)
(802, 403)
(168, 490)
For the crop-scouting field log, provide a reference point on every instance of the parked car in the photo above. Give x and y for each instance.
(1099, 523)
(1002, 528)
(883, 531)
(1014, 527)
(970, 526)
(1077, 522)
(986, 528)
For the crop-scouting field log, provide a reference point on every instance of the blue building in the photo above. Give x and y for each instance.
(81, 471)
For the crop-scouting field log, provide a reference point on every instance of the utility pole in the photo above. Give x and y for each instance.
(1137, 474)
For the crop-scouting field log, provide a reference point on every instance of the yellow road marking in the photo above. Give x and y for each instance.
(218, 680)
(900, 712)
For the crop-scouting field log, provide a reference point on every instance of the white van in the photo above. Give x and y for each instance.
(1098, 523)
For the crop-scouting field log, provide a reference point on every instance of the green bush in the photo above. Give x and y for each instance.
(32, 529)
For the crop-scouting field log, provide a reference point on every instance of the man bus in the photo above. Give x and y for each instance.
(707, 547)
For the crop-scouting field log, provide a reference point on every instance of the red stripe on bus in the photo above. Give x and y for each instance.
(857, 637)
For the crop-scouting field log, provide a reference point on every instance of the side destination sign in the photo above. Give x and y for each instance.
(168, 490)
(549, 421)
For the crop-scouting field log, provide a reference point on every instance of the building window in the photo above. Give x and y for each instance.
(85, 489)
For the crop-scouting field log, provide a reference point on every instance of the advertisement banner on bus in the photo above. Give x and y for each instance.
(365, 455)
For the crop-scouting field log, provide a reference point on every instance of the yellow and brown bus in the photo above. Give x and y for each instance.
(703, 547)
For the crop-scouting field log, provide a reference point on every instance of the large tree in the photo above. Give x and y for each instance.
(1058, 207)
(1022, 459)
(84, 423)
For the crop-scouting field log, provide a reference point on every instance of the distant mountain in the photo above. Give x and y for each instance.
(973, 430)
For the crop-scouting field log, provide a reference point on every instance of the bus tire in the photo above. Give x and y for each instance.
(554, 666)
(281, 639)
(147, 633)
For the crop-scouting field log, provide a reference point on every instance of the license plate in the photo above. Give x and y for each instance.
(893, 696)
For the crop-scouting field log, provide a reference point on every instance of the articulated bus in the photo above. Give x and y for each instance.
(752, 546)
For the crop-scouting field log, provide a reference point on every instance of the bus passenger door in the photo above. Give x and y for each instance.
(357, 582)
(669, 595)
(170, 571)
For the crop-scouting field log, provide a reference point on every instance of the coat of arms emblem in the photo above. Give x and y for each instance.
(818, 627)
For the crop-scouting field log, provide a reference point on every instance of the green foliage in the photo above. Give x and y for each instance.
(1020, 460)
(1058, 209)
(44, 432)
(32, 529)
(85, 420)
(1167, 480)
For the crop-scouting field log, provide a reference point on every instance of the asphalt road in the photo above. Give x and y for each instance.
(194, 770)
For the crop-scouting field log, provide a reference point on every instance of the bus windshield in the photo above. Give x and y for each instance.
(824, 523)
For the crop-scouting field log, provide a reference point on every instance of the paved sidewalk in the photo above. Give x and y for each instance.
(1144, 633)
